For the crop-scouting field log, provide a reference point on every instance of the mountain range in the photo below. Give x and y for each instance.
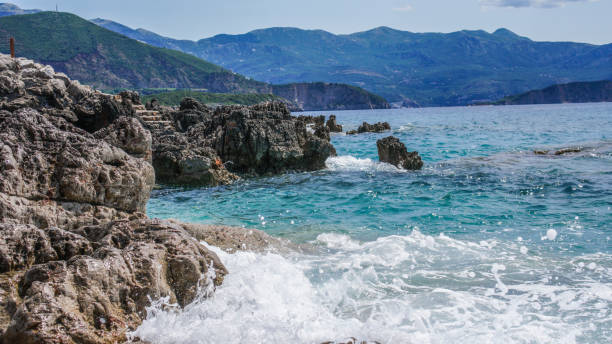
(108, 60)
(430, 69)
(409, 69)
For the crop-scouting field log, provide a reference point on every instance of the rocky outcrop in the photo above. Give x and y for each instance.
(316, 120)
(248, 140)
(45, 157)
(370, 128)
(92, 285)
(79, 260)
(333, 126)
(392, 151)
(177, 160)
(128, 134)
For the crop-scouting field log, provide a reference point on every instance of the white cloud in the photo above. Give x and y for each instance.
(402, 8)
(529, 3)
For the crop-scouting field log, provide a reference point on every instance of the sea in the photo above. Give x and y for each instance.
(488, 243)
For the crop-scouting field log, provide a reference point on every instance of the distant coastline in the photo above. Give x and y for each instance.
(574, 92)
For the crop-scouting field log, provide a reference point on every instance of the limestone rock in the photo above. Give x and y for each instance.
(103, 280)
(45, 157)
(178, 161)
(261, 139)
(128, 134)
(392, 151)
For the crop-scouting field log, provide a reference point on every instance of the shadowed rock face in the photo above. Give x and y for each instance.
(333, 126)
(392, 151)
(79, 261)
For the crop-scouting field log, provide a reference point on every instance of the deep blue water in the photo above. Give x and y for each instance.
(524, 239)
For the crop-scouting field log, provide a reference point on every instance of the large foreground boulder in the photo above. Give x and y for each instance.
(392, 151)
(92, 285)
(79, 260)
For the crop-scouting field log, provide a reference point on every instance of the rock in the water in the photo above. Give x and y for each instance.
(259, 139)
(370, 128)
(179, 161)
(333, 126)
(322, 132)
(392, 151)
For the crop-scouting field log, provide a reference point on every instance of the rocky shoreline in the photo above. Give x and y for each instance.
(79, 259)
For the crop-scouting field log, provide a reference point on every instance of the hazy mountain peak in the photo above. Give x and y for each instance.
(8, 9)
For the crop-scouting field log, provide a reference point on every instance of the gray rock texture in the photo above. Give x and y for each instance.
(392, 151)
(79, 260)
(252, 140)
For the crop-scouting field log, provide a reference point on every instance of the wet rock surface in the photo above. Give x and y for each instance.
(370, 128)
(392, 151)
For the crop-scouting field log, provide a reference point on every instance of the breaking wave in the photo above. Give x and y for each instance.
(398, 289)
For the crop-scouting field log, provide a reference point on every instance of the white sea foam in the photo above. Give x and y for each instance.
(347, 163)
(397, 289)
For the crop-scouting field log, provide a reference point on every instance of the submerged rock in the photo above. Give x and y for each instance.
(392, 151)
(370, 128)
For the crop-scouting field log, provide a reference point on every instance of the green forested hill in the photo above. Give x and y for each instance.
(105, 59)
(109, 60)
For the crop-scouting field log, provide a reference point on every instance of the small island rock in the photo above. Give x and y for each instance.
(371, 128)
(392, 151)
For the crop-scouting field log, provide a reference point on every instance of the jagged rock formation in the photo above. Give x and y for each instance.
(79, 261)
(370, 128)
(392, 151)
(249, 140)
(333, 126)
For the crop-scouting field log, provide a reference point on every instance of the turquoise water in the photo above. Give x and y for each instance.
(488, 243)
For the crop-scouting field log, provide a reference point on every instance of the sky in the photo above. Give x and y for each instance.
(542, 20)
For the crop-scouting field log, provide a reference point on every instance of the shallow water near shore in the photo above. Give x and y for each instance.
(488, 243)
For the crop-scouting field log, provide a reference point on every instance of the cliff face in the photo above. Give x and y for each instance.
(576, 92)
(329, 96)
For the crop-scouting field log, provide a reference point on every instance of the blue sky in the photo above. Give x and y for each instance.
(551, 20)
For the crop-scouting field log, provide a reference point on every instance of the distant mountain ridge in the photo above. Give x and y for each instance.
(430, 69)
(575, 92)
(7, 9)
(108, 60)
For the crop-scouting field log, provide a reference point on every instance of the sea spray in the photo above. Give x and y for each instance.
(397, 289)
